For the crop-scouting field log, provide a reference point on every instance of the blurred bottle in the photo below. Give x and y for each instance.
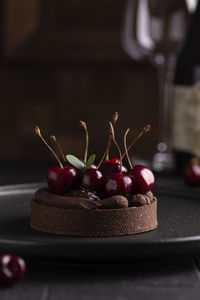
(186, 110)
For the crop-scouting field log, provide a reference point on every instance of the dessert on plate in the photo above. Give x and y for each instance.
(88, 199)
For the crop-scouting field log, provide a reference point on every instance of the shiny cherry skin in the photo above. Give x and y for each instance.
(143, 179)
(114, 160)
(12, 269)
(93, 166)
(117, 184)
(61, 180)
(192, 173)
(108, 167)
(77, 181)
(92, 180)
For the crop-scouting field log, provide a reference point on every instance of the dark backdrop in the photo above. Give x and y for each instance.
(62, 61)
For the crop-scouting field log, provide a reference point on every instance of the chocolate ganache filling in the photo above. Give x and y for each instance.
(83, 193)
(46, 196)
(84, 199)
(140, 199)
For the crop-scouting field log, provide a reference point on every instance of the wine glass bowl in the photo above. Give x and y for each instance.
(153, 30)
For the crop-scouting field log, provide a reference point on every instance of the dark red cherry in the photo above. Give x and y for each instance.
(143, 179)
(12, 269)
(118, 184)
(92, 179)
(61, 180)
(77, 182)
(93, 166)
(114, 160)
(107, 167)
(192, 172)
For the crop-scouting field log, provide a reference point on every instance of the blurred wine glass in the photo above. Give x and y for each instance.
(153, 30)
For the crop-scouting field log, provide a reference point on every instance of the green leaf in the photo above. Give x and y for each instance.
(74, 161)
(90, 161)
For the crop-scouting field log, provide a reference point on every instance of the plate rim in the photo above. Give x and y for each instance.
(122, 241)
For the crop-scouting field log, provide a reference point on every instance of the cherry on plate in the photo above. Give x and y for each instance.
(12, 269)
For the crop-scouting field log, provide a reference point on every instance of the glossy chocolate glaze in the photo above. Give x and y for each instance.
(83, 193)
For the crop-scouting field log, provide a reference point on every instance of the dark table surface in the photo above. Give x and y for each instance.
(169, 278)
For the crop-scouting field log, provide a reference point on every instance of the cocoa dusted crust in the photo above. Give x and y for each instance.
(78, 217)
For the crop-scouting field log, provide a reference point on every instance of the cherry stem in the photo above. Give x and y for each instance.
(108, 147)
(115, 118)
(195, 161)
(53, 138)
(144, 130)
(114, 121)
(37, 131)
(114, 140)
(83, 124)
(104, 155)
(126, 151)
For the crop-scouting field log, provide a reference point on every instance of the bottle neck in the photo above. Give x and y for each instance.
(187, 75)
(188, 63)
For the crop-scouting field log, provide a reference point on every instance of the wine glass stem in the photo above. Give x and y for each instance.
(166, 75)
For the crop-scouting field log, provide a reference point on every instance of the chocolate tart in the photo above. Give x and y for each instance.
(55, 214)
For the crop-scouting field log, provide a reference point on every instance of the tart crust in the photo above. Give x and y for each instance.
(98, 222)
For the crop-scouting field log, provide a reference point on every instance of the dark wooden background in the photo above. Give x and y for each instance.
(62, 61)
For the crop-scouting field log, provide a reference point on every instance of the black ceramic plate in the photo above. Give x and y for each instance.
(178, 231)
